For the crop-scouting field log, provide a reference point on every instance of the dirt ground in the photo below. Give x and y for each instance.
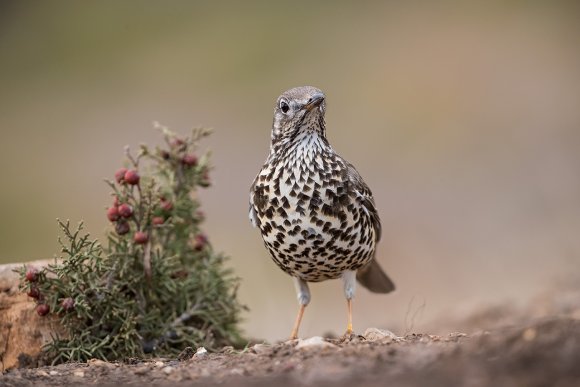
(538, 345)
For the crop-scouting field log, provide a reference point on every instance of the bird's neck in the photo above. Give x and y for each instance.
(304, 141)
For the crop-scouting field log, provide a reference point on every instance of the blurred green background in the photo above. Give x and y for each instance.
(463, 117)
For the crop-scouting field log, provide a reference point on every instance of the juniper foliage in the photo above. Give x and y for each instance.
(157, 285)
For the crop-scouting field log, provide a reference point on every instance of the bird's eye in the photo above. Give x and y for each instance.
(284, 106)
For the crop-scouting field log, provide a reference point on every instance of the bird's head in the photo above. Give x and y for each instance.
(299, 109)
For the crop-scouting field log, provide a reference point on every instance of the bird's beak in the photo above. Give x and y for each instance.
(314, 101)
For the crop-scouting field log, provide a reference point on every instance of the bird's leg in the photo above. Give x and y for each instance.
(303, 294)
(349, 323)
(349, 280)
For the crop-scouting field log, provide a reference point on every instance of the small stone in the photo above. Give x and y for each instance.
(79, 374)
(376, 334)
(159, 364)
(530, 334)
(454, 337)
(314, 342)
(142, 370)
(205, 373)
(186, 354)
(167, 370)
(99, 363)
(102, 364)
(261, 349)
(53, 373)
(41, 373)
(200, 353)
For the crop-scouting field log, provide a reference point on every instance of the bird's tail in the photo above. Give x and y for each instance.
(374, 278)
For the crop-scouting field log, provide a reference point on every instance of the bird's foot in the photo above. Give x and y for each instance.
(348, 336)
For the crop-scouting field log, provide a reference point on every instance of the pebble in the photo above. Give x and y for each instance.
(101, 363)
(237, 371)
(376, 334)
(529, 334)
(53, 373)
(314, 342)
(261, 349)
(168, 370)
(141, 370)
(186, 354)
(159, 364)
(79, 374)
(200, 353)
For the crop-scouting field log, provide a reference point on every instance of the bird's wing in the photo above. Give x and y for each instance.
(252, 212)
(365, 197)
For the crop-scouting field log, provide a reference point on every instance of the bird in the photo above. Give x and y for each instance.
(316, 214)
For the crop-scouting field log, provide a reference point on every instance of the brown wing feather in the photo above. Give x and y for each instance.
(365, 197)
(372, 275)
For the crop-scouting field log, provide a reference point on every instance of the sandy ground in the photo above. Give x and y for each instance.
(538, 345)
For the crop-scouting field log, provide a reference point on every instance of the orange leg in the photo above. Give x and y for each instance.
(303, 294)
(294, 334)
(349, 324)
(349, 279)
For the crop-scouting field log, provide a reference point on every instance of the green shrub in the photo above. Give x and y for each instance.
(157, 285)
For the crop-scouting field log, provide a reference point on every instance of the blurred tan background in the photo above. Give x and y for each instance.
(464, 119)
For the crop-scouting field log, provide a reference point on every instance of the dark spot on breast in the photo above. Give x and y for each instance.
(269, 213)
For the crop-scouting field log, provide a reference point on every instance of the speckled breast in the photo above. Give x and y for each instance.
(309, 216)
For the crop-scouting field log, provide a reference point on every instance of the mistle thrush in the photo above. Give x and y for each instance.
(316, 214)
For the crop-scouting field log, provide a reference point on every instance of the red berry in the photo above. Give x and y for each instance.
(68, 304)
(113, 214)
(199, 242)
(140, 237)
(205, 180)
(132, 177)
(166, 205)
(122, 227)
(42, 309)
(125, 210)
(120, 175)
(32, 274)
(157, 220)
(33, 292)
(164, 155)
(177, 143)
(189, 160)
